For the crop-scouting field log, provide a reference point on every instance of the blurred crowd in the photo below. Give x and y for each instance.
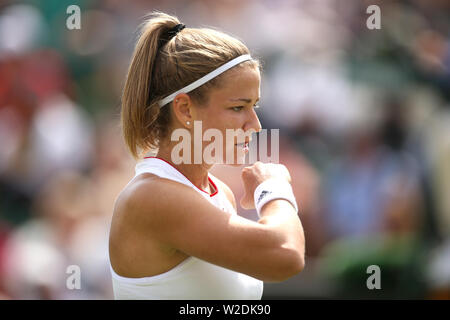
(364, 119)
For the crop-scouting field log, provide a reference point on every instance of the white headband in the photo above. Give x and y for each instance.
(205, 78)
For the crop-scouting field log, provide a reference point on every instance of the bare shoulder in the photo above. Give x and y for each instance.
(145, 207)
(228, 192)
(147, 195)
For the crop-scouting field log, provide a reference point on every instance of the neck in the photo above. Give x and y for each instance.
(196, 173)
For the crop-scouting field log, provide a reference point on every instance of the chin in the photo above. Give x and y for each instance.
(239, 159)
(235, 164)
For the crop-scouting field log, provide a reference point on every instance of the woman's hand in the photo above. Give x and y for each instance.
(254, 175)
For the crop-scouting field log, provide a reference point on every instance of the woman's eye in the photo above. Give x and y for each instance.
(241, 107)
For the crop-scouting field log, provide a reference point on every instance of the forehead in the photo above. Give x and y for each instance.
(238, 83)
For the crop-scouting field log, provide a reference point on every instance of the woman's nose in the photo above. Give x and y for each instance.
(253, 123)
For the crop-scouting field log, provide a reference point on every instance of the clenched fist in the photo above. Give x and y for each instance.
(254, 175)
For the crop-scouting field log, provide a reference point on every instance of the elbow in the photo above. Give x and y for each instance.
(299, 265)
(291, 265)
(296, 264)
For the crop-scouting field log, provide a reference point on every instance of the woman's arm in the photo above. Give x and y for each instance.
(271, 249)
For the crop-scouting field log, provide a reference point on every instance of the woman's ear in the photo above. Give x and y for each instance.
(183, 109)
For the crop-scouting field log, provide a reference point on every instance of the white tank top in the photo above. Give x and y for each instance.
(193, 278)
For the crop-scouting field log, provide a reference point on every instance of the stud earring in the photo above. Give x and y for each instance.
(188, 123)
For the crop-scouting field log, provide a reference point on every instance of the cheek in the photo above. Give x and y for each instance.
(222, 120)
(211, 121)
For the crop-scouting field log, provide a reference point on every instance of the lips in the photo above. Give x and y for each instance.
(243, 144)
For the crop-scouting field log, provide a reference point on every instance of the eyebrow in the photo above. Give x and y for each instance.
(244, 100)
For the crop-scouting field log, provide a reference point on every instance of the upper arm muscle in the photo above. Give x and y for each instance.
(179, 216)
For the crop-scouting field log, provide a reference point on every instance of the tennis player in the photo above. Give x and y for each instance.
(175, 233)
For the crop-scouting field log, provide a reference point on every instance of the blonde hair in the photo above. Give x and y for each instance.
(160, 67)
